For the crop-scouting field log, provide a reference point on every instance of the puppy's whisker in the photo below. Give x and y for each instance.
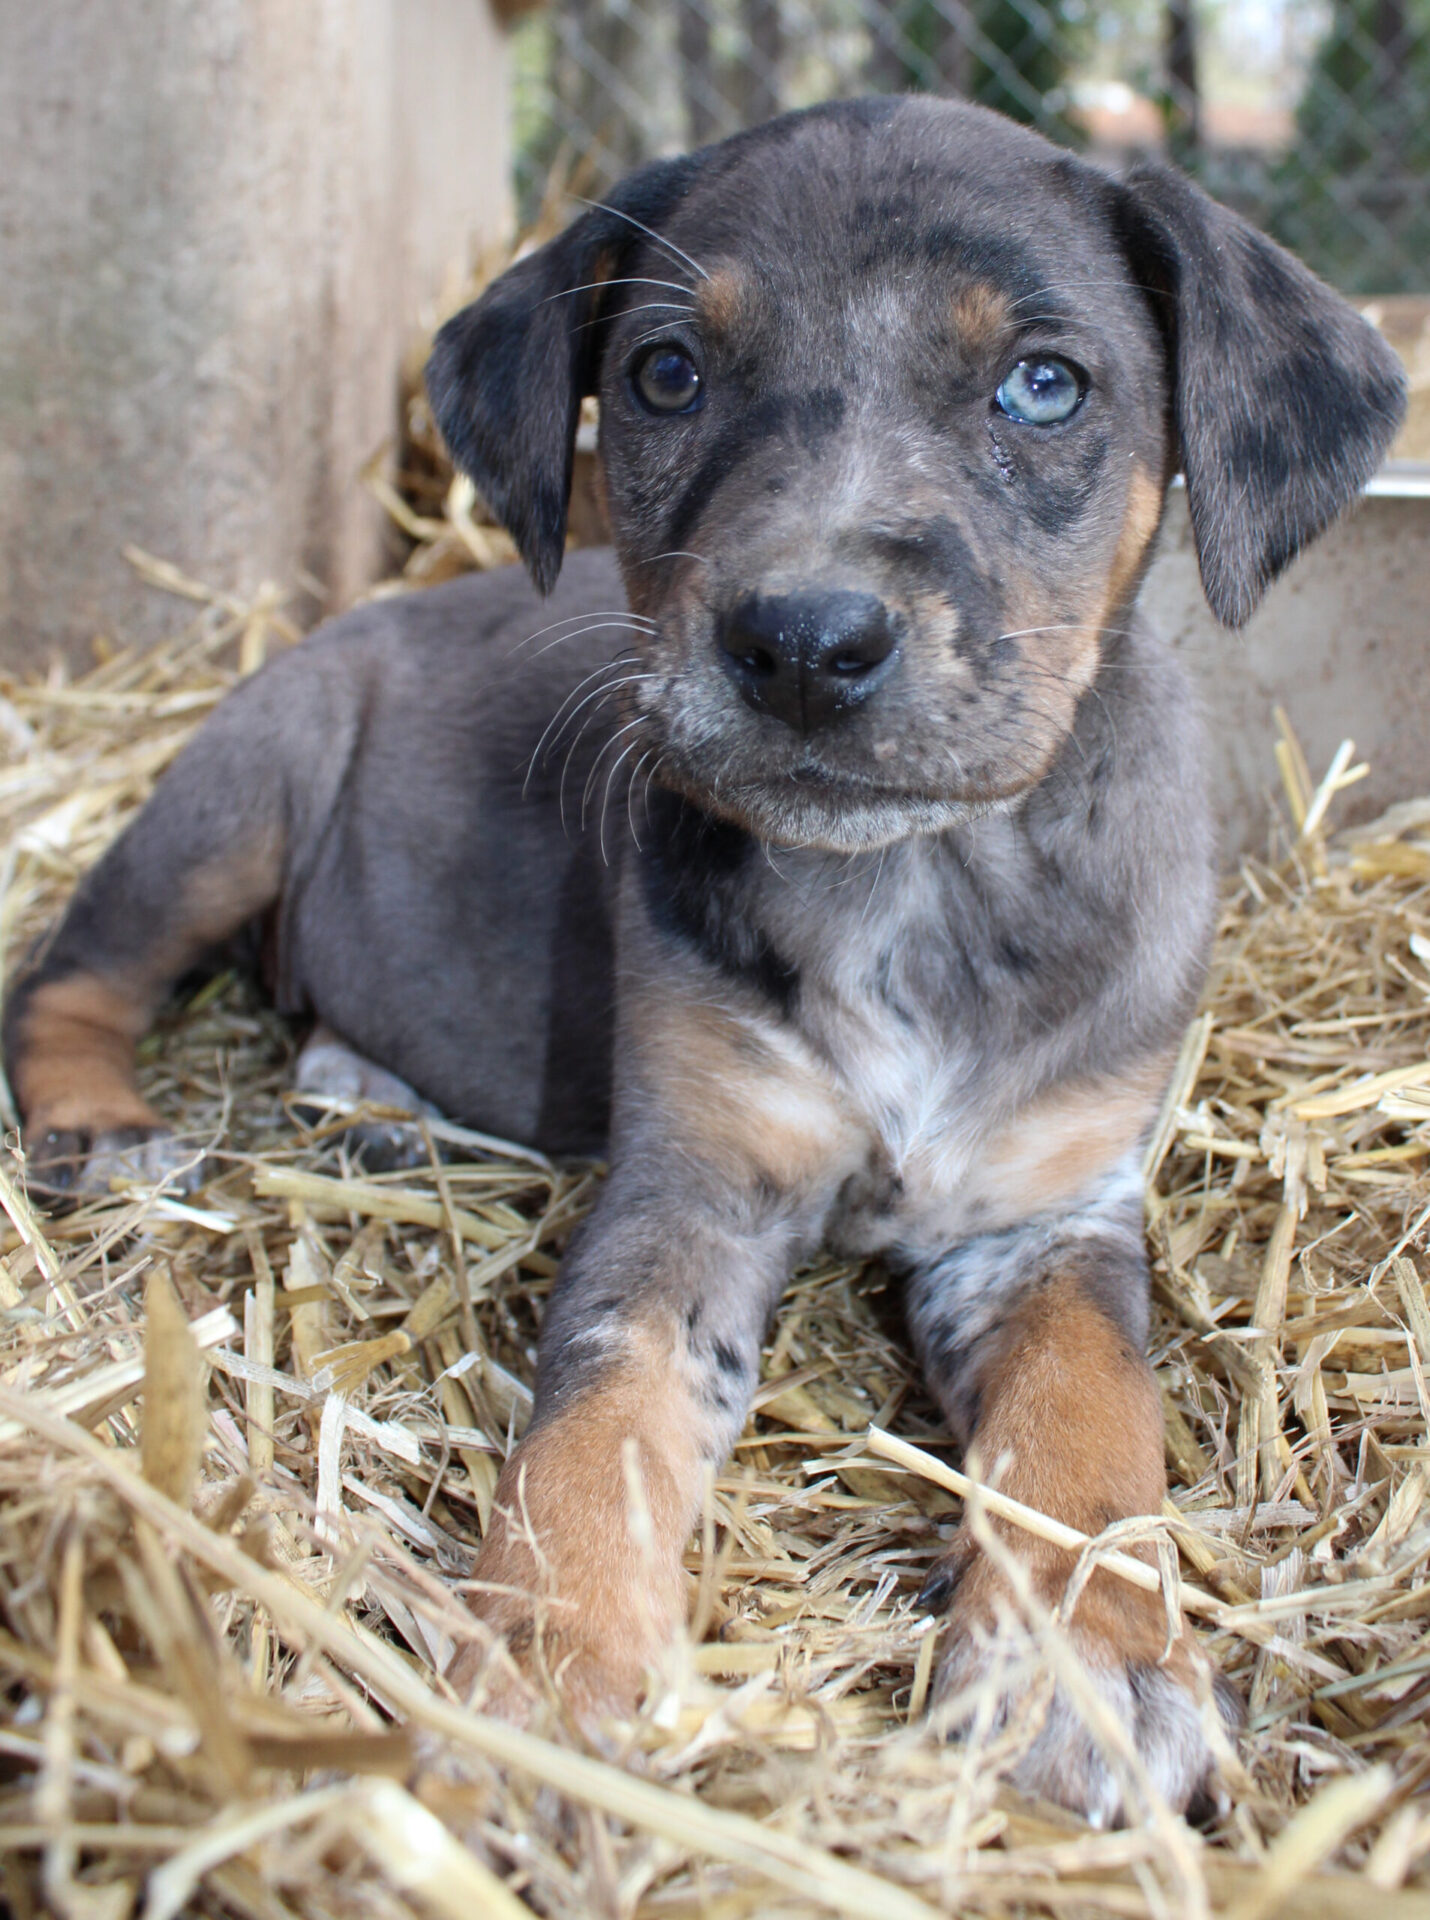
(654, 333)
(596, 626)
(1035, 770)
(569, 756)
(1090, 689)
(649, 780)
(659, 238)
(606, 796)
(630, 796)
(1060, 626)
(587, 613)
(626, 658)
(598, 694)
(581, 731)
(556, 721)
(874, 886)
(601, 753)
(629, 280)
(846, 872)
(646, 306)
(772, 863)
(1052, 291)
(674, 553)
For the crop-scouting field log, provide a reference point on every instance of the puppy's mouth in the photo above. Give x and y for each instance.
(814, 805)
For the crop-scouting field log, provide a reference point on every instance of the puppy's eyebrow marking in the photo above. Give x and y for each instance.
(982, 313)
(720, 301)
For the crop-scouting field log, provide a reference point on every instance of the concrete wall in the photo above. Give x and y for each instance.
(218, 221)
(1342, 642)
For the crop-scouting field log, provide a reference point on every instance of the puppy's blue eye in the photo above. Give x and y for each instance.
(1040, 393)
(667, 380)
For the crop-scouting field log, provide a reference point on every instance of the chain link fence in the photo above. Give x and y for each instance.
(1310, 116)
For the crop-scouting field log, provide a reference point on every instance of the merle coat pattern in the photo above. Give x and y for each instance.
(895, 883)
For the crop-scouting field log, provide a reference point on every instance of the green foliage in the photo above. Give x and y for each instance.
(1351, 196)
(1367, 98)
(1012, 58)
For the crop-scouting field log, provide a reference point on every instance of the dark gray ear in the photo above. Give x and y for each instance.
(1285, 399)
(507, 374)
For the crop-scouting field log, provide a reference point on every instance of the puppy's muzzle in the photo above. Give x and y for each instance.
(807, 659)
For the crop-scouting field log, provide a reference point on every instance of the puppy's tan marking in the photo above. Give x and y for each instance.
(1141, 517)
(981, 314)
(73, 1056)
(1075, 1408)
(722, 300)
(1066, 1144)
(221, 897)
(586, 1581)
(738, 1105)
(934, 627)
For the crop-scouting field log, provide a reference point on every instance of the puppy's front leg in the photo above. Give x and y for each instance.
(1033, 1340)
(649, 1355)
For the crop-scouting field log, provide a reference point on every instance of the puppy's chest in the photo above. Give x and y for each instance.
(904, 1081)
(949, 1112)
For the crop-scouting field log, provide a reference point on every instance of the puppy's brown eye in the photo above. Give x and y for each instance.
(667, 380)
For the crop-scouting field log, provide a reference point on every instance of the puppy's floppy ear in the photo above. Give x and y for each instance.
(507, 374)
(1285, 399)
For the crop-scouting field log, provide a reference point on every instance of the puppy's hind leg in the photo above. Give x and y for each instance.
(204, 856)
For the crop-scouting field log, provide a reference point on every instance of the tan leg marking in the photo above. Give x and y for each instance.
(744, 1108)
(220, 897)
(1074, 1412)
(74, 1056)
(586, 1583)
(74, 1065)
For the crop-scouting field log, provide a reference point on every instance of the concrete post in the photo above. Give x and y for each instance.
(1339, 642)
(218, 222)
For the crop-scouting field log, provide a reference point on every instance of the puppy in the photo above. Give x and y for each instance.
(896, 882)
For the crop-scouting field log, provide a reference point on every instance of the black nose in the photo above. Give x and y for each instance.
(808, 658)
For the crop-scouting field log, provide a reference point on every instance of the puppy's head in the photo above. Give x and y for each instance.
(891, 392)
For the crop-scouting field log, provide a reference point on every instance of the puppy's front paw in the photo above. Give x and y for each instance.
(75, 1163)
(538, 1651)
(1118, 1637)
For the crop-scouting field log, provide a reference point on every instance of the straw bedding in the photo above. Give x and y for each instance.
(248, 1441)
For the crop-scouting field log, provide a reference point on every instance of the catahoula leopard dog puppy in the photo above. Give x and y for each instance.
(897, 882)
